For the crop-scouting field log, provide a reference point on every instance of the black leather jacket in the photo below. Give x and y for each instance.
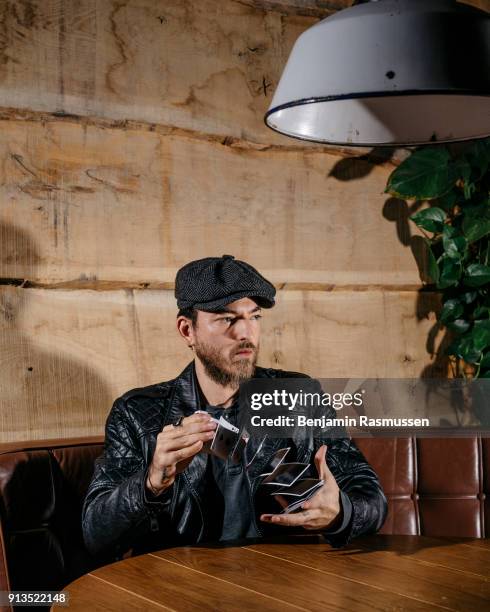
(118, 514)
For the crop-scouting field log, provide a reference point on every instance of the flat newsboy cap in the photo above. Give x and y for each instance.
(211, 283)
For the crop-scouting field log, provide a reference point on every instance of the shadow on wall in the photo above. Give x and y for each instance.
(428, 299)
(398, 212)
(352, 168)
(44, 394)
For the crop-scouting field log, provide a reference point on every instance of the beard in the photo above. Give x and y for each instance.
(224, 371)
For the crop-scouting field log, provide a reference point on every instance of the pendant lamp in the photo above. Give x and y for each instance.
(388, 72)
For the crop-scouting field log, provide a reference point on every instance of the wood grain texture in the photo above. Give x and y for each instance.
(84, 203)
(313, 8)
(66, 355)
(408, 574)
(210, 590)
(132, 141)
(105, 596)
(313, 589)
(380, 572)
(208, 66)
(202, 65)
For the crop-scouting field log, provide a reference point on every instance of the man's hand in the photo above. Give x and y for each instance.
(321, 509)
(175, 448)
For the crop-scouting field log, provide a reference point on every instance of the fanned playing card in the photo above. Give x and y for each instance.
(285, 474)
(276, 460)
(257, 452)
(236, 453)
(286, 482)
(299, 489)
(296, 505)
(226, 437)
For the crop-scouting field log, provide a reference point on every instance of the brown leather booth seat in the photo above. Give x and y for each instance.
(42, 487)
(434, 487)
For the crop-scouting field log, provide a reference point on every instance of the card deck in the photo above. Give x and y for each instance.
(296, 505)
(282, 479)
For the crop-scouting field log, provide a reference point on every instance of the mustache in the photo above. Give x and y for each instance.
(244, 345)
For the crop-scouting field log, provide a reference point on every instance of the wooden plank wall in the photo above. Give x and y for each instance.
(132, 141)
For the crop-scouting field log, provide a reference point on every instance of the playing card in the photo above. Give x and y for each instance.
(236, 453)
(300, 488)
(286, 474)
(276, 460)
(296, 506)
(206, 447)
(256, 454)
(225, 440)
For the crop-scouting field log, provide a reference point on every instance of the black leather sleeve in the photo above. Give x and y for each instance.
(117, 511)
(356, 479)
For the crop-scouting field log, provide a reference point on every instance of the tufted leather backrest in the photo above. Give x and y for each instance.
(41, 495)
(434, 487)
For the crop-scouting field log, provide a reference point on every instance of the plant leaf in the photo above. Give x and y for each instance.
(463, 348)
(431, 219)
(468, 297)
(448, 200)
(460, 326)
(481, 334)
(425, 175)
(476, 222)
(478, 156)
(451, 310)
(433, 268)
(455, 244)
(485, 362)
(451, 273)
(481, 312)
(477, 275)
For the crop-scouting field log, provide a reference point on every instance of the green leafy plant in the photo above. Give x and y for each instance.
(456, 229)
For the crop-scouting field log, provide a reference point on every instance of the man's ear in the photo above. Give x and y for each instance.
(186, 330)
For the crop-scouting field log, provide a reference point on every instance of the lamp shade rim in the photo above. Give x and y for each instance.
(377, 94)
(352, 145)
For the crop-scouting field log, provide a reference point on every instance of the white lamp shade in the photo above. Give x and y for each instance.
(398, 72)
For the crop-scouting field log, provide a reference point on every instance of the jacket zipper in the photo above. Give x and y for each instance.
(196, 498)
(251, 487)
(174, 496)
(251, 496)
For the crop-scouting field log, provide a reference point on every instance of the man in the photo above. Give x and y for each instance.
(154, 486)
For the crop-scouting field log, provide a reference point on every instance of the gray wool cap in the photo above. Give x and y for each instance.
(211, 283)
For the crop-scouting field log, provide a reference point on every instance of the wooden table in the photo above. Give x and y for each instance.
(374, 573)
